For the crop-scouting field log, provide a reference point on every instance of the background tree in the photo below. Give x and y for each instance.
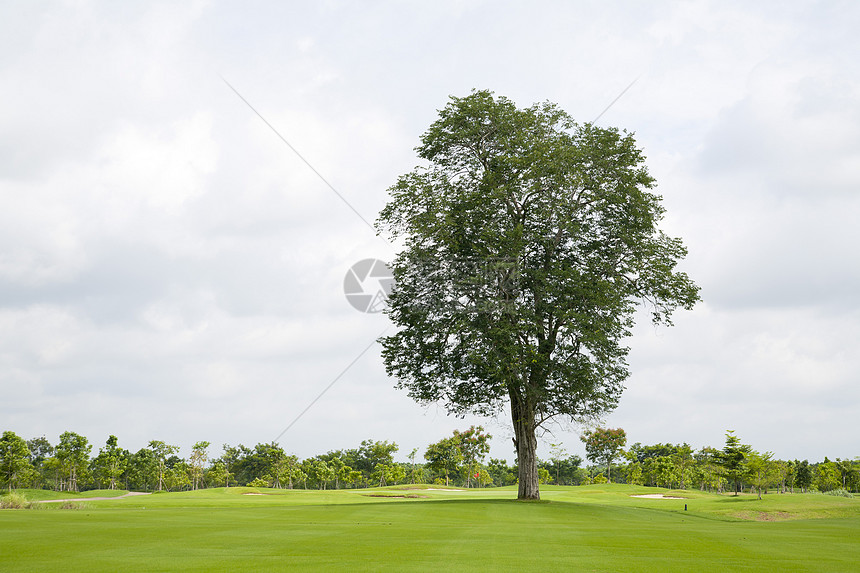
(73, 453)
(308, 472)
(269, 460)
(351, 477)
(802, 475)
(230, 457)
(412, 469)
(683, 460)
(370, 454)
(264, 460)
(634, 474)
(342, 472)
(474, 445)
(852, 482)
(642, 453)
(160, 453)
(604, 445)
(299, 476)
(111, 463)
(731, 460)
(847, 472)
(544, 475)
(320, 472)
(176, 475)
(556, 454)
(784, 474)
(761, 470)
(709, 477)
(293, 470)
(14, 458)
(40, 451)
(567, 470)
(388, 474)
(444, 456)
(663, 471)
(529, 240)
(197, 463)
(483, 478)
(827, 475)
(218, 474)
(501, 472)
(143, 470)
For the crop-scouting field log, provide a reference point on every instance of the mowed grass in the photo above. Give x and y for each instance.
(594, 528)
(42, 494)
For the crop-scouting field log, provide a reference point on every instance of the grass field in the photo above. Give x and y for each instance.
(592, 528)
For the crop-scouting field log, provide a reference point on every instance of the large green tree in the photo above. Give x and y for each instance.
(528, 242)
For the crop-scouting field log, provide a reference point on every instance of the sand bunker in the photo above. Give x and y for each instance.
(657, 496)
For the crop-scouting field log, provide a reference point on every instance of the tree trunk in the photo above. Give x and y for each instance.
(525, 441)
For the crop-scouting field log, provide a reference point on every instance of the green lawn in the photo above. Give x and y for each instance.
(594, 528)
(42, 494)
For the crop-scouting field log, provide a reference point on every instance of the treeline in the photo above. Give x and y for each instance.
(71, 465)
(457, 460)
(736, 467)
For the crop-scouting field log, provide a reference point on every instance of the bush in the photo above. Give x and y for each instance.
(839, 492)
(73, 505)
(14, 501)
(259, 482)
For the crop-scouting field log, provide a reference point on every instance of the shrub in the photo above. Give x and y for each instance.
(14, 501)
(73, 505)
(839, 492)
(259, 482)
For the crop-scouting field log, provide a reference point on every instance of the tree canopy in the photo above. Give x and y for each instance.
(732, 460)
(528, 240)
(604, 445)
(13, 457)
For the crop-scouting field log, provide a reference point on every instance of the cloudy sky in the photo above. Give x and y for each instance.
(170, 269)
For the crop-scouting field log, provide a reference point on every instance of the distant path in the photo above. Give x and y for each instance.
(129, 494)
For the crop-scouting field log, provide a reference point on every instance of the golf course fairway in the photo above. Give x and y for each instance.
(418, 528)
